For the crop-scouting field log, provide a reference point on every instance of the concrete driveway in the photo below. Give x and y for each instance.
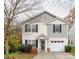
(54, 56)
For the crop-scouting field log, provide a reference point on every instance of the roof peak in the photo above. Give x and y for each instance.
(42, 12)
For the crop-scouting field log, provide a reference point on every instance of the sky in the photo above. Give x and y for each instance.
(58, 7)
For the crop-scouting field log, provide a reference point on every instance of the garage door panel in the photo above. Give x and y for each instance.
(57, 46)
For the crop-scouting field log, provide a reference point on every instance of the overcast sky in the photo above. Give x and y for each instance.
(58, 7)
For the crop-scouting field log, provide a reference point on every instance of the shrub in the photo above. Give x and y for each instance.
(26, 48)
(34, 51)
(68, 48)
(15, 49)
(73, 51)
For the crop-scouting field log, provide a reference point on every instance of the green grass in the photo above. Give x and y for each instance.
(20, 55)
(73, 51)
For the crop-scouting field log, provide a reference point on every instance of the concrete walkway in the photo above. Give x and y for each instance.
(54, 56)
(63, 56)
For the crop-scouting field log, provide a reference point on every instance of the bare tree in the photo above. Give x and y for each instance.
(12, 8)
(70, 18)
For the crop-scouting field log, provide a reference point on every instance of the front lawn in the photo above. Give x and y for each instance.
(20, 55)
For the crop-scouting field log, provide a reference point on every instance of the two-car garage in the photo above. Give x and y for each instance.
(57, 46)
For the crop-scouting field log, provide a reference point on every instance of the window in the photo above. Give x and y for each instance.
(31, 28)
(27, 28)
(52, 41)
(57, 41)
(28, 41)
(34, 28)
(25, 41)
(32, 42)
(56, 28)
(62, 41)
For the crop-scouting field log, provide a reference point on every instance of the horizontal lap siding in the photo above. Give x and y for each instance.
(42, 29)
(44, 18)
(64, 32)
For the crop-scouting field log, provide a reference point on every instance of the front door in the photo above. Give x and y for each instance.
(42, 45)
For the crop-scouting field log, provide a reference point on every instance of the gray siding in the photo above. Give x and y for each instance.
(72, 35)
(42, 18)
(55, 35)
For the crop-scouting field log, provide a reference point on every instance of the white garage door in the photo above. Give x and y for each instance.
(56, 46)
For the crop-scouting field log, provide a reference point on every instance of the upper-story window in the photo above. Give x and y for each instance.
(57, 28)
(34, 28)
(31, 28)
(27, 28)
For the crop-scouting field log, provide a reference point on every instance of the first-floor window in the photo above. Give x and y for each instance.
(32, 42)
(28, 41)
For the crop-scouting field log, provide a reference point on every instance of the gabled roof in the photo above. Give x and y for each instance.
(43, 13)
(58, 19)
(41, 36)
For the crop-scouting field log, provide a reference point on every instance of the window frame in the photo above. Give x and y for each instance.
(57, 28)
(31, 28)
(26, 27)
(57, 41)
(32, 43)
(36, 27)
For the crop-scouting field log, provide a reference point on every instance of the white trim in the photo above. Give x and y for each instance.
(46, 45)
(31, 27)
(45, 11)
(39, 46)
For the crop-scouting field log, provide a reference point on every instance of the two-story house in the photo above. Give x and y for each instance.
(46, 32)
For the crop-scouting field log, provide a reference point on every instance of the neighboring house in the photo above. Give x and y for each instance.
(72, 35)
(46, 32)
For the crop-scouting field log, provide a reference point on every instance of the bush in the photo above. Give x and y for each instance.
(15, 49)
(68, 48)
(26, 48)
(34, 51)
(73, 51)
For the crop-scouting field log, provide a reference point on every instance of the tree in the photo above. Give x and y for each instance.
(12, 8)
(14, 38)
(70, 18)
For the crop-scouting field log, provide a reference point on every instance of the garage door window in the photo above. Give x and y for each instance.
(57, 41)
(61, 41)
(52, 41)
